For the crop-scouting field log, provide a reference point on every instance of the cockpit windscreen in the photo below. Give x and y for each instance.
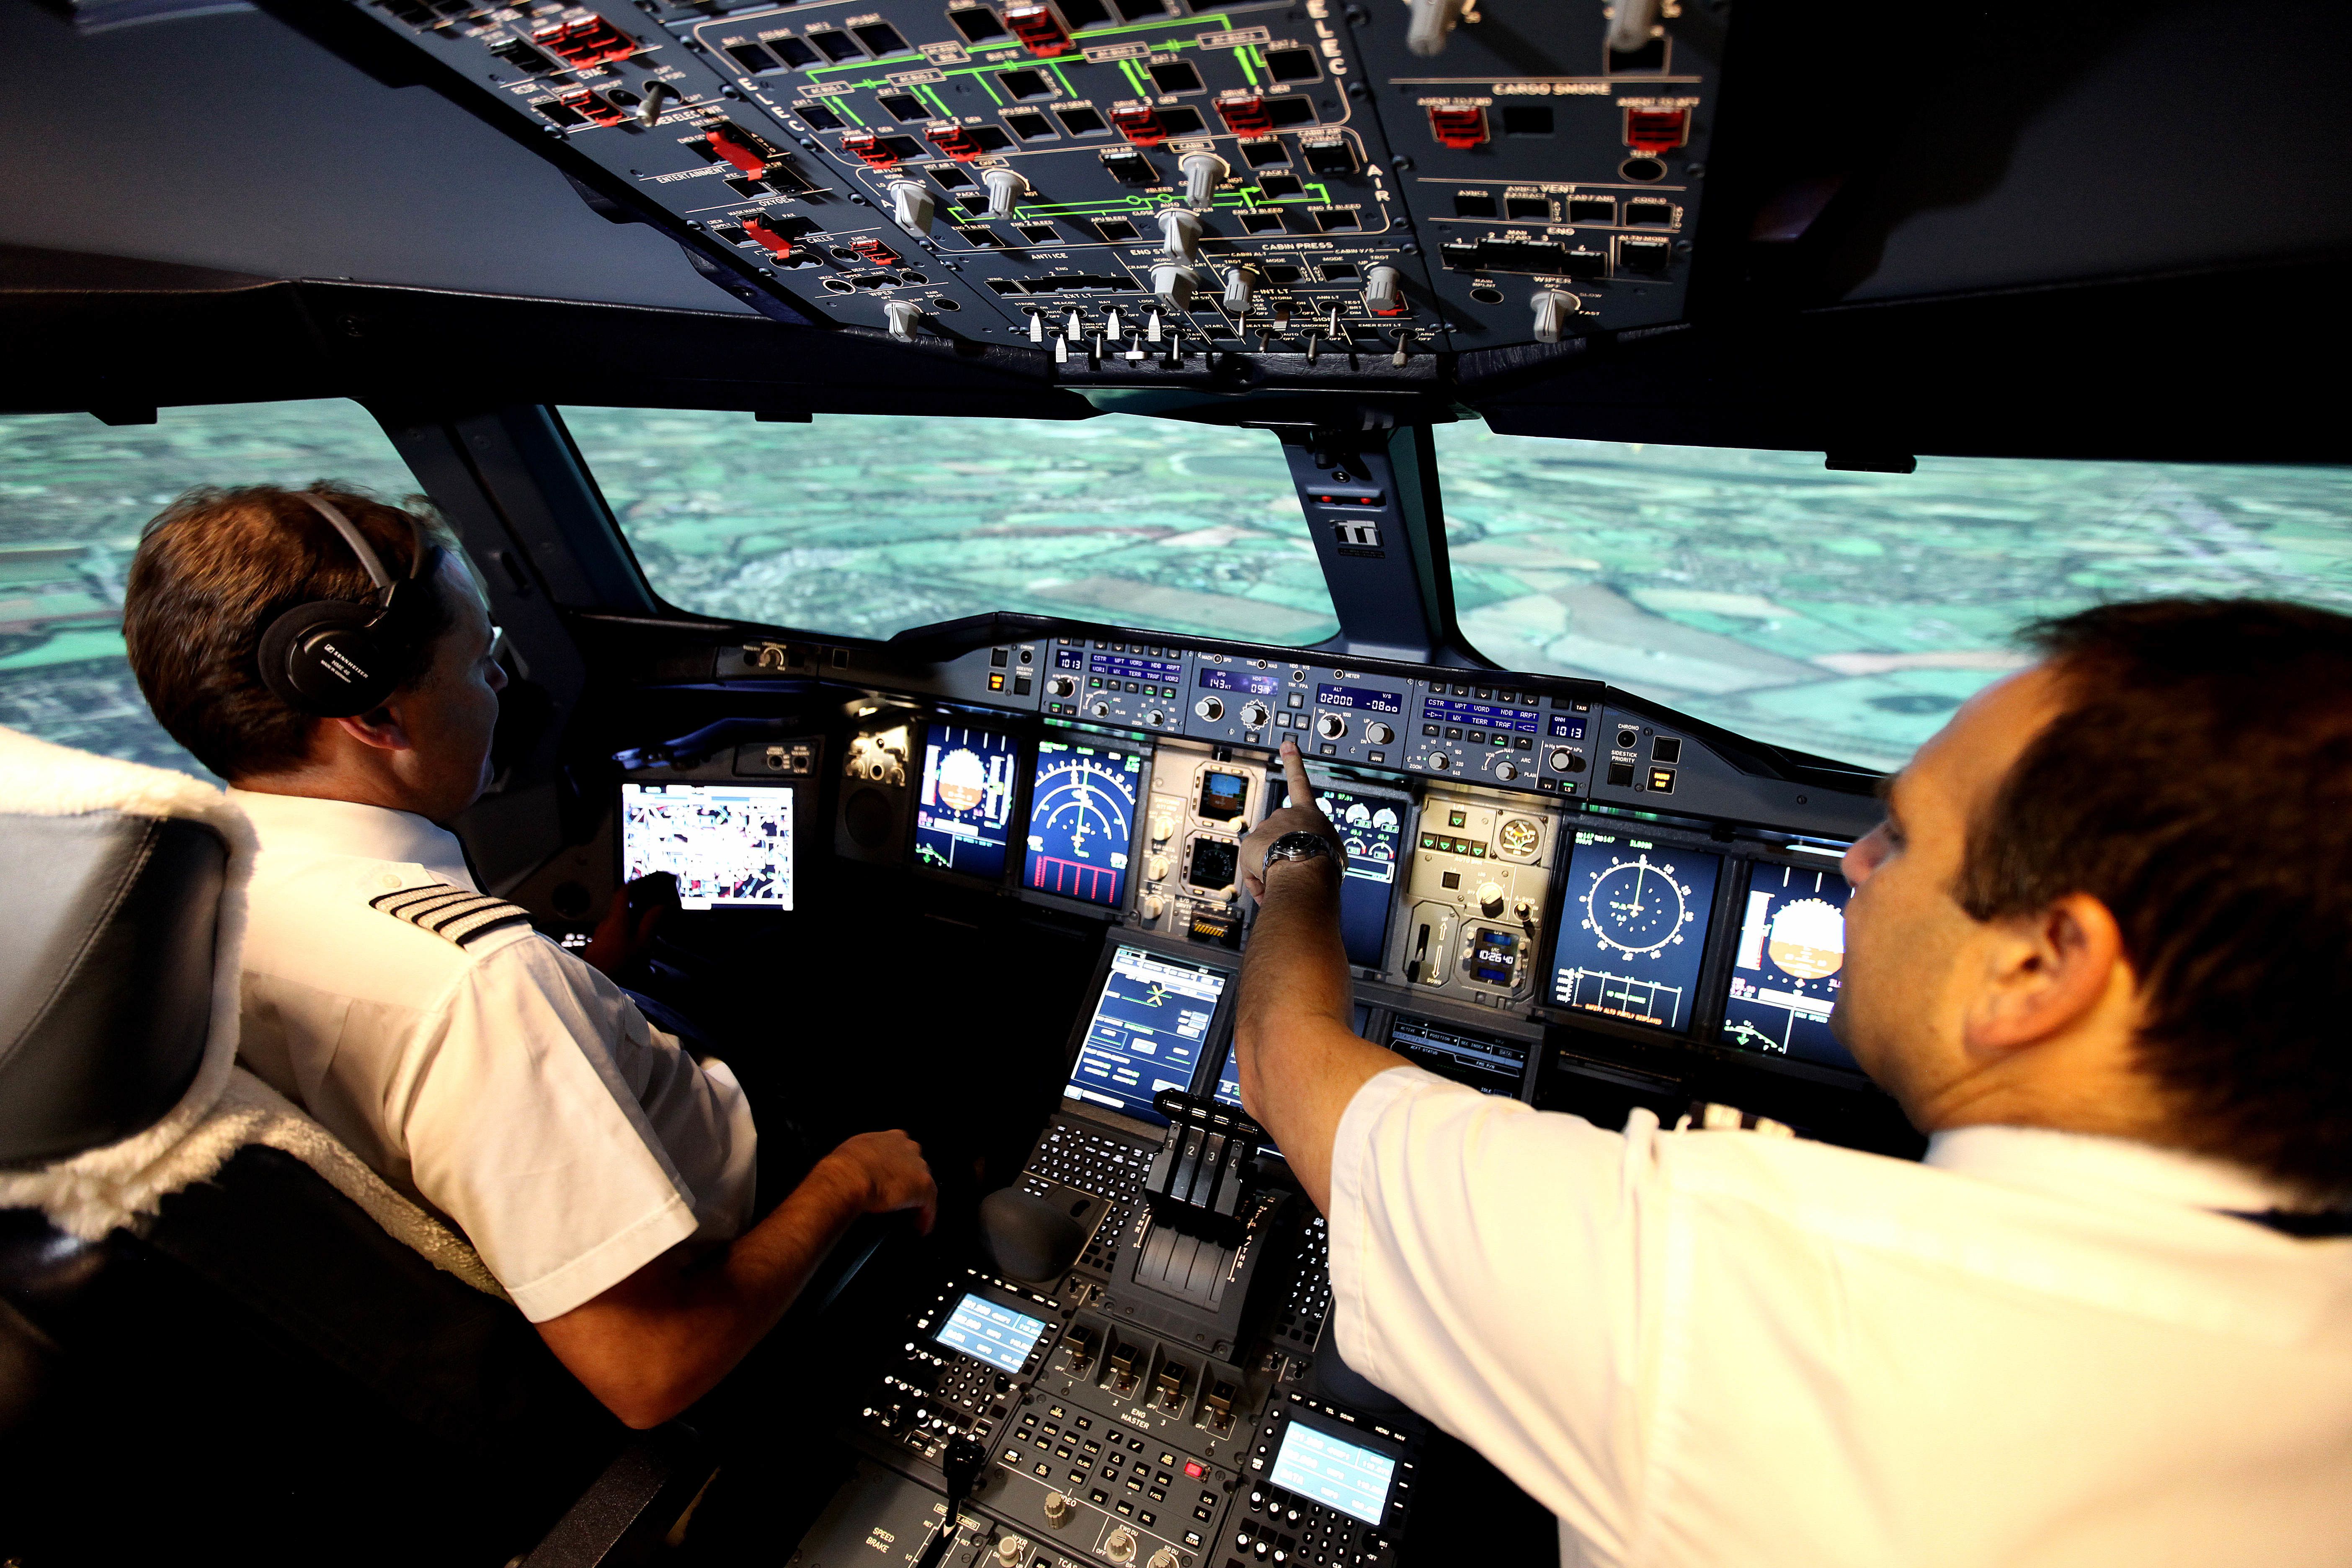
(965, 815)
(1082, 821)
(1146, 1033)
(728, 845)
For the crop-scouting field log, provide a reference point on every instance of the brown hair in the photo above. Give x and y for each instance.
(212, 570)
(2199, 785)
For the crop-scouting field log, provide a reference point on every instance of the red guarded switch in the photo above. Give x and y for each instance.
(875, 251)
(1140, 126)
(594, 42)
(589, 106)
(740, 148)
(1246, 116)
(770, 237)
(956, 143)
(1657, 130)
(1037, 27)
(865, 145)
(1460, 129)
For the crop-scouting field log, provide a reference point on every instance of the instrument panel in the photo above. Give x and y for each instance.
(1120, 186)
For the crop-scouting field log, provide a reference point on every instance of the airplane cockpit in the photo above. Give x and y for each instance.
(926, 457)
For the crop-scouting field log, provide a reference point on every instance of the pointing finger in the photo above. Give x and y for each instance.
(1294, 769)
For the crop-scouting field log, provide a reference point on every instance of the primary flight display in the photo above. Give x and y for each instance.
(965, 816)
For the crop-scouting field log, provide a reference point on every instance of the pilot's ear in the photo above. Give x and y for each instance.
(2045, 974)
(378, 726)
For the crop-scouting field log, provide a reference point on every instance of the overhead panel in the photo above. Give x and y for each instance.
(1113, 182)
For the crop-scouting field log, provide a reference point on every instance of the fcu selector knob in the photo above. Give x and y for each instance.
(1490, 899)
(1507, 771)
(1209, 707)
(1440, 761)
(1060, 686)
(1255, 715)
(1330, 726)
(1058, 1508)
(1099, 708)
(1378, 733)
(1155, 717)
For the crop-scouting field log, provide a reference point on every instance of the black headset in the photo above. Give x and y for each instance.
(333, 658)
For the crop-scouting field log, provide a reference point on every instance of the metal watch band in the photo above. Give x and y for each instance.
(1298, 846)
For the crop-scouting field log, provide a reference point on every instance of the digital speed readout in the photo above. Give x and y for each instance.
(1362, 698)
(1253, 682)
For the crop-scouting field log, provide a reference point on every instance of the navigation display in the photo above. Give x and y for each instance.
(1250, 682)
(1364, 698)
(986, 1332)
(1334, 1472)
(965, 813)
(1632, 929)
(1785, 972)
(728, 845)
(1082, 821)
(1488, 1065)
(1146, 1033)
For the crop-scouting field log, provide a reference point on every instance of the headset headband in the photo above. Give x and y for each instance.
(358, 542)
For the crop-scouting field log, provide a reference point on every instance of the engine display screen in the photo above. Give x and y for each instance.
(728, 845)
(1486, 1064)
(1371, 826)
(1249, 682)
(964, 816)
(1146, 1032)
(1082, 821)
(1362, 698)
(1334, 1472)
(1632, 929)
(1224, 798)
(1216, 864)
(1786, 970)
(986, 1332)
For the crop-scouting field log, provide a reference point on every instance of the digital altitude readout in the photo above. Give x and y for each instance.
(1362, 698)
(1251, 683)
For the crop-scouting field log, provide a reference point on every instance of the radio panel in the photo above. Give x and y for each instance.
(1140, 685)
(1486, 734)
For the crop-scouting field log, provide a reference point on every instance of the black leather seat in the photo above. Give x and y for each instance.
(259, 1366)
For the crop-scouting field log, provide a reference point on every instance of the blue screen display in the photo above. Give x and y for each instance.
(1483, 715)
(1631, 928)
(1366, 698)
(1786, 970)
(986, 1332)
(1256, 682)
(1082, 821)
(965, 816)
(1146, 1032)
(1334, 1472)
(1568, 726)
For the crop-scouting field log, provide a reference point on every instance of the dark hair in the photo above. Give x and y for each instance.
(2199, 783)
(212, 570)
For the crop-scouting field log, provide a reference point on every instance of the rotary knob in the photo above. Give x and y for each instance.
(1174, 283)
(1523, 908)
(1155, 717)
(1005, 186)
(1060, 686)
(1201, 171)
(1490, 899)
(1561, 760)
(1154, 906)
(910, 204)
(1440, 761)
(1255, 715)
(1058, 1508)
(1378, 733)
(1157, 870)
(1241, 281)
(1099, 708)
(1119, 1547)
(1507, 771)
(1209, 707)
(1165, 1558)
(1330, 726)
(1162, 826)
(1554, 310)
(1180, 233)
(1012, 1551)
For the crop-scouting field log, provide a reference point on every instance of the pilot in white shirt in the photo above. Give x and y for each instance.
(2107, 1319)
(333, 659)
(485, 1071)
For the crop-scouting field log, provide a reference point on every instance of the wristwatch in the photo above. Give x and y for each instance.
(1298, 846)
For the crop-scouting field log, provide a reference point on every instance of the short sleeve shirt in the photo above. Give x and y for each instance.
(503, 1084)
(1720, 1347)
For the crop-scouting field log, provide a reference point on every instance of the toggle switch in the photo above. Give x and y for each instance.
(910, 204)
(1201, 173)
(1005, 186)
(1180, 233)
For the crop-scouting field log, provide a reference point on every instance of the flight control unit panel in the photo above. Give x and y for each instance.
(1116, 185)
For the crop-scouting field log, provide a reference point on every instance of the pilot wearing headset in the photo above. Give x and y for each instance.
(2097, 953)
(334, 659)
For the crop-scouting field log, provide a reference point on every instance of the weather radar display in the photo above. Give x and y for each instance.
(1081, 821)
(965, 815)
(1785, 972)
(1634, 928)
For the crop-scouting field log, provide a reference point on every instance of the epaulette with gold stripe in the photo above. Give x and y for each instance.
(462, 917)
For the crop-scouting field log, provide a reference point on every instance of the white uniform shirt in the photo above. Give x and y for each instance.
(2036, 1348)
(505, 1084)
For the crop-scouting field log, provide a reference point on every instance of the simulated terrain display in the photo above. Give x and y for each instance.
(867, 525)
